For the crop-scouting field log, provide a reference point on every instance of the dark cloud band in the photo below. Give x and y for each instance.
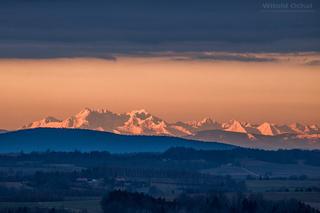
(70, 28)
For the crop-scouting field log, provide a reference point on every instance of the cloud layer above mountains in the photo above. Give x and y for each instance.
(69, 28)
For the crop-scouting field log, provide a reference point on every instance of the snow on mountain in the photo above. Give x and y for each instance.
(141, 122)
(204, 124)
(86, 119)
(268, 129)
(144, 123)
(104, 120)
(46, 122)
(234, 126)
(134, 122)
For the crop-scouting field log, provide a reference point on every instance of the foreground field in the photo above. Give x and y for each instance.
(287, 189)
(257, 168)
(281, 185)
(90, 205)
(78, 180)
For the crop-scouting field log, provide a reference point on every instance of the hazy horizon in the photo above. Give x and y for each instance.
(282, 91)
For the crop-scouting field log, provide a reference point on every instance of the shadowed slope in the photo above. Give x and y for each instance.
(42, 139)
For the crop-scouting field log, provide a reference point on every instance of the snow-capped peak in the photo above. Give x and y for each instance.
(205, 121)
(196, 123)
(104, 110)
(204, 124)
(234, 126)
(268, 129)
(139, 113)
(45, 122)
(142, 122)
(85, 111)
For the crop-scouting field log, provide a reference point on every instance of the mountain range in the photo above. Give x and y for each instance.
(140, 122)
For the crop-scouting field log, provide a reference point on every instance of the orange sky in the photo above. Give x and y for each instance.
(173, 90)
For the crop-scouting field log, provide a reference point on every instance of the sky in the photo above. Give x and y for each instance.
(180, 60)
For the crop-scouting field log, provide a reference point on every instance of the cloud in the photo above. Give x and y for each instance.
(227, 57)
(80, 28)
(313, 63)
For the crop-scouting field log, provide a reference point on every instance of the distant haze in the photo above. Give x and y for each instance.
(172, 89)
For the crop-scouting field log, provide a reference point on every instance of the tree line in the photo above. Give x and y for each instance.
(126, 202)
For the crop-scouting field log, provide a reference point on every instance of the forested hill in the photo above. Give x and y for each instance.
(42, 139)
